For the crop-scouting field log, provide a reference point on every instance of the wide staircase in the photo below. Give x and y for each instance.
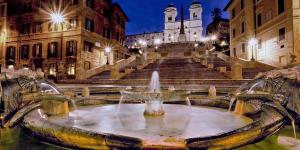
(177, 68)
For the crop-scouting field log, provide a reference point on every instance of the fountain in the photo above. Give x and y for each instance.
(154, 98)
(153, 125)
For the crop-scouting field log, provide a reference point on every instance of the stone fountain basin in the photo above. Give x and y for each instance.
(103, 127)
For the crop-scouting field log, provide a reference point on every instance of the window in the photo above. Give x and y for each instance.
(52, 69)
(37, 50)
(259, 21)
(89, 25)
(243, 27)
(71, 48)
(195, 16)
(73, 2)
(52, 27)
(37, 27)
(233, 13)
(38, 3)
(106, 13)
(73, 23)
(170, 19)
(90, 4)
(280, 4)
(118, 18)
(242, 4)
(10, 53)
(269, 15)
(2, 11)
(25, 52)
(25, 28)
(117, 36)
(233, 33)
(259, 45)
(234, 52)
(27, 8)
(243, 47)
(282, 34)
(71, 69)
(88, 46)
(52, 50)
(106, 32)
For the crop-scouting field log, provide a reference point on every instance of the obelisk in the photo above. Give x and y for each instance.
(182, 36)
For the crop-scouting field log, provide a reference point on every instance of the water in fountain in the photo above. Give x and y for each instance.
(75, 117)
(154, 85)
(232, 100)
(154, 106)
(255, 86)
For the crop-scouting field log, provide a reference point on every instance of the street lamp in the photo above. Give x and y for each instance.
(157, 42)
(252, 42)
(57, 18)
(107, 52)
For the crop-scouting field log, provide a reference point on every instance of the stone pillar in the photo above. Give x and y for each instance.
(204, 62)
(222, 69)
(237, 71)
(111, 58)
(115, 73)
(85, 92)
(102, 58)
(212, 92)
(60, 71)
(55, 107)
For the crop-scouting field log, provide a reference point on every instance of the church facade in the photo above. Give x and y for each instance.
(172, 24)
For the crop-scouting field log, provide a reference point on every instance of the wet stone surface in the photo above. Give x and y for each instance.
(179, 122)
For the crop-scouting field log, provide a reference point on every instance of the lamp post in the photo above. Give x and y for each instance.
(157, 43)
(107, 52)
(58, 18)
(252, 42)
(213, 39)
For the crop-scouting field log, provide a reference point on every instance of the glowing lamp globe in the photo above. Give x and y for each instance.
(57, 18)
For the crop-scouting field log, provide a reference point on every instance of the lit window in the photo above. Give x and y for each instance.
(71, 69)
(52, 70)
(73, 23)
(259, 20)
(71, 48)
(37, 50)
(88, 46)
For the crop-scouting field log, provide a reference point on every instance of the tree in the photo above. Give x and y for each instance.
(216, 14)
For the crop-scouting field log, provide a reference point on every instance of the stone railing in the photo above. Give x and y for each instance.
(121, 64)
(244, 63)
(118, 65)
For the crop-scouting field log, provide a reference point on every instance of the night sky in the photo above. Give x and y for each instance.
(148, 16)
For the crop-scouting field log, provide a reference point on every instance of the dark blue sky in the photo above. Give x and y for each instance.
(148, 16)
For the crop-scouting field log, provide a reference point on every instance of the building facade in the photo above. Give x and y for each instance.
(172, 24)
(62, 50)
(154, 38)
(274, 24)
